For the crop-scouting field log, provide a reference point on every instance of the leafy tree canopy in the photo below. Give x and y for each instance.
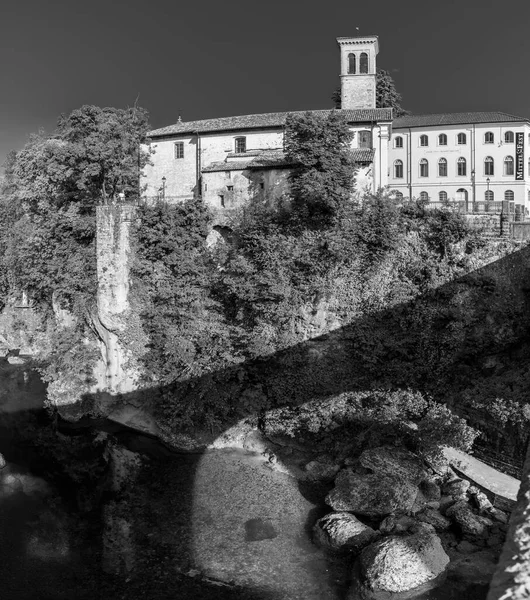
(322, 178)
(93, 154)
(49, 194)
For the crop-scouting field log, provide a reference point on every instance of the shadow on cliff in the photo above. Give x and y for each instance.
(480, 328)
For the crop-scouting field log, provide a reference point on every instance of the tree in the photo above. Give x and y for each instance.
(322, 177)
(93, 154)
(386, 95)
(50, 192)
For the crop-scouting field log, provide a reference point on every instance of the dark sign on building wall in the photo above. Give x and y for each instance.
(519, 156)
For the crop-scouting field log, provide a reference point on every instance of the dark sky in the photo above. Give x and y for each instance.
(206, 59)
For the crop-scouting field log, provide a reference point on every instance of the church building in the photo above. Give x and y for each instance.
(475, 159)
(230, 159)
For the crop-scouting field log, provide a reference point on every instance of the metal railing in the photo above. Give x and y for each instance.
(478, 207)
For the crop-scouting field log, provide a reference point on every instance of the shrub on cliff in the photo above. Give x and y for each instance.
(172, 276)
(374, 418)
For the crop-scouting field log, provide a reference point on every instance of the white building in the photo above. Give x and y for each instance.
(474, 158)
(478, 159)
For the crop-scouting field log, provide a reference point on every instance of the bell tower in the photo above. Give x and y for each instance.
(358, 71)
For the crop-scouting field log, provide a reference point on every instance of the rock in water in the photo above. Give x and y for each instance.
(471, 524)
(434, 518)
(396, 462)
(371, 495)
(341, 531)
(401, 563)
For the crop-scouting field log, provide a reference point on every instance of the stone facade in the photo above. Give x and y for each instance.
(358, 71)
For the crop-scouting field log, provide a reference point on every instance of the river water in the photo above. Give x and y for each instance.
(215, 525)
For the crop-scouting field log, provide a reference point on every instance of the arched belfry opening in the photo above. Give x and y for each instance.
(358, 71)
(351, 63)
(363, 63)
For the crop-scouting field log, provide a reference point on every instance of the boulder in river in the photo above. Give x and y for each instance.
(396, 462)
(402, 563)
(371, 495)
(341, 531)
(456, 488)
(472, 525)
(434, 518)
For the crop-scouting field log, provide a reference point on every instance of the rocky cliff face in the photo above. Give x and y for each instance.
(113, 309)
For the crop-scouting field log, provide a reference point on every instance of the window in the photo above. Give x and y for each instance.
(179, 149)
(529, 167)
(442, 167)
(351, 64)
(442, 196)
(228, 174)
(230, 188)
(461, 195)
(488, 166)
(489, 137)
(424, 167)
(461, 138)
(508, 195)
(221, 200)
(363, 63)
(508, 137)
(262, 185)
(241, 145)
(398, 169)
(442, 139)
(365, 139)
(461, 166)
(398, 142)
(508, 165)
(424, 196)
(489, 196)
(424, 140)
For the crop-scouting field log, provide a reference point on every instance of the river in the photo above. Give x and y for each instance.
(221, 524)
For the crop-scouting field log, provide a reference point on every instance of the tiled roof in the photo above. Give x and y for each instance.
(265, 120)
(455, 119)
(270, 158)
(239, 165)
(266, 159)
(362, 155)
(275, 157)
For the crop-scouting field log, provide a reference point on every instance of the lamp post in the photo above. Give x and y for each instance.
(473, 189)
(163, 188)
(488, 193)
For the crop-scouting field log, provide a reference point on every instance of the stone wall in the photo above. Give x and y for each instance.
(489, 225)
(113, 316)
